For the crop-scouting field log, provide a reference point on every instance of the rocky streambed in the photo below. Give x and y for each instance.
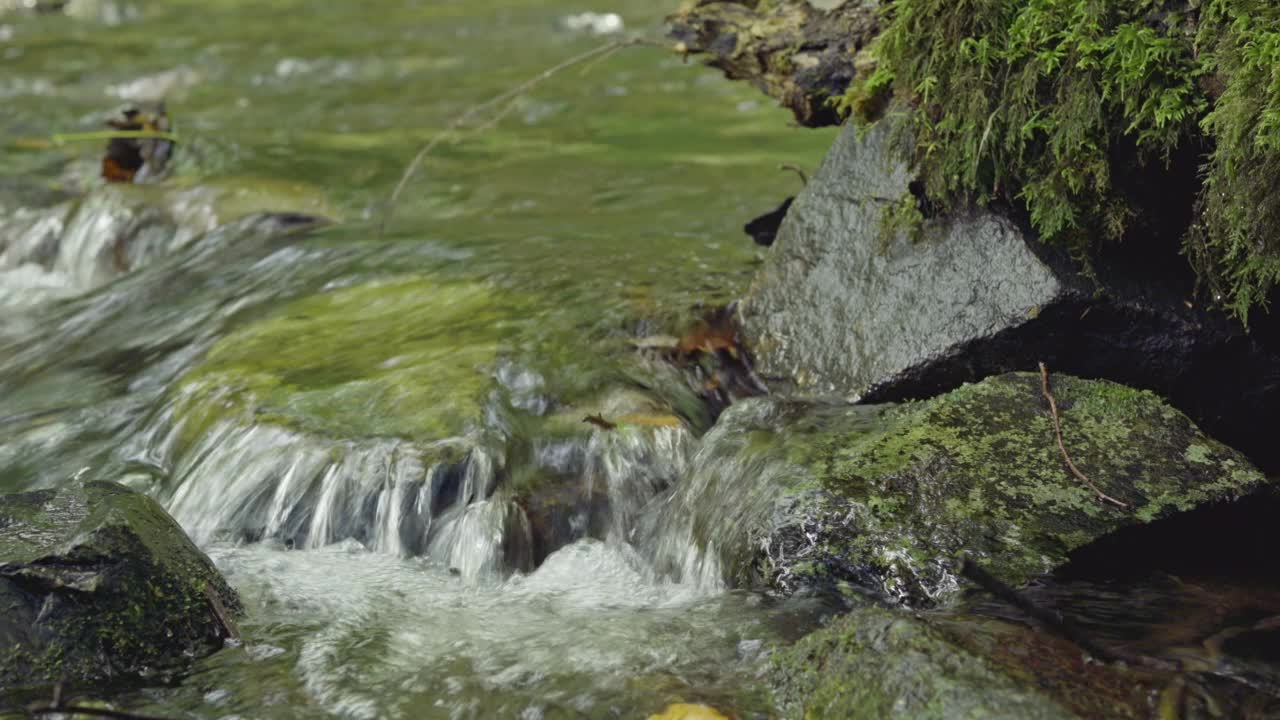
(508, 461)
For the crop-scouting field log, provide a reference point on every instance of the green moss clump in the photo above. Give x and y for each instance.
(1035, 100)
(1236, 247)
(875, 663)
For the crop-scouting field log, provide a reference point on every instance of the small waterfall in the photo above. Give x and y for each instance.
(704, 530)
(267, 482)
(629, 469)
(452, 501)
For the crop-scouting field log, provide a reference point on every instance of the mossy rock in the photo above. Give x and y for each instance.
(878, 662)
(98, 583)
(890, 498)
(404, 357)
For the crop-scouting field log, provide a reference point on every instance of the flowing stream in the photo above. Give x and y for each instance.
(379, 438)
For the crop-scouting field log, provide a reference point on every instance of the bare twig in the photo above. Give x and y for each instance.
(804, 179)
(600, 422)
(220, 613)
(37, 710)
(460, 123)
(1057, 429)
(58, 706)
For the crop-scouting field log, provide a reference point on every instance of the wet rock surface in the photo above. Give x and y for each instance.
(98, 583)
(975, 295)
(886, 500)
(875, 662)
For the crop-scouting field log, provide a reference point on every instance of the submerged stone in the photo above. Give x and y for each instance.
(406, 357)
(887, 500)
(97, 583)
(846, 304)
(877, 662)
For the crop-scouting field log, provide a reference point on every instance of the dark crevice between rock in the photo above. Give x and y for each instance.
(1234, 541)
(1199, 589)
(1224, 378)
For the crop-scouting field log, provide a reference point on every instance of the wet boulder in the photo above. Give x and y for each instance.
(850, 303)
(887, 500)
(97, 583)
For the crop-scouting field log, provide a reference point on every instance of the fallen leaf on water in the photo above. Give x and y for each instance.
(656, 342)
(650, 420)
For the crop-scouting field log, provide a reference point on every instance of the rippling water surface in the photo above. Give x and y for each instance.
(379, 438)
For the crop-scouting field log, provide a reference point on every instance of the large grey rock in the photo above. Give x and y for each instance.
(842, 306)
(97, 582)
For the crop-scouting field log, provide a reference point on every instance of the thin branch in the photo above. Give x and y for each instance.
(97, 712)
(220, 613)
(804, 179)
(61, 138)
(1057, 429)
(461, 122)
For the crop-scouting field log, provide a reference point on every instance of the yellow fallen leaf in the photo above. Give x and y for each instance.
(650, 419)
(687, 711)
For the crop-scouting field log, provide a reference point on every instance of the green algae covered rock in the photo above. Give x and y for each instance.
(403, 357)
(889, 499)
(97, 582)
(875, 663)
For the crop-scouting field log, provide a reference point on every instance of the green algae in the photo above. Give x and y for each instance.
(408, 357)
(895, 500)
(874, 663)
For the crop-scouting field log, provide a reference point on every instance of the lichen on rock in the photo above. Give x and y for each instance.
(887, 499)
(98, 583)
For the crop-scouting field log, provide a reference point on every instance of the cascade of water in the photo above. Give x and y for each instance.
(631, 468)
(450, 501)
(69, 249)
(266, 482)
(702, 531)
